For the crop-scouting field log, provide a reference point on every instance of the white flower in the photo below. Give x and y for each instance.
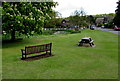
(25, 17)
(7, 13)
(31, 18)
(15, 5)
(18, 21)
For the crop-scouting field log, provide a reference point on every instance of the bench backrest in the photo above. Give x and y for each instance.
(38, 48)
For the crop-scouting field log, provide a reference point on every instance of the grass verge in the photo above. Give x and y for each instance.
(69, 62)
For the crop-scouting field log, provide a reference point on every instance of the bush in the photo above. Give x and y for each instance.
(47, 32)
(76, 32)
(72, 31)
(109, 25)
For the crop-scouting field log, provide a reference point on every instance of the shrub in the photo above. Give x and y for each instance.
(72, 31)
(47, 32)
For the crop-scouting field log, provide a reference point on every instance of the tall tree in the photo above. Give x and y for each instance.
(78, 17)
(25, 17)
(80, 12)
(91, 19)
(117, 16)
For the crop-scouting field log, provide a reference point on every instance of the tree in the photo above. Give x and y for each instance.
(78, 17)
(53, 23)
(117, 16)
(58, 14)
(91, 19)
(80, 12)
(25, 17)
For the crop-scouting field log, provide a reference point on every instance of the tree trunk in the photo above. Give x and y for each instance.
(13, 35)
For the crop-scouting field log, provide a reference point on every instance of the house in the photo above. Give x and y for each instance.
(65, 23)
(99, 21)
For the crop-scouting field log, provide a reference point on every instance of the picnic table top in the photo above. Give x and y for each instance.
(86, 38)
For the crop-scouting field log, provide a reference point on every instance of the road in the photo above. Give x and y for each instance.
(109, 30)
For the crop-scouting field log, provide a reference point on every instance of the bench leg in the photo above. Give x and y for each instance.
(22, 56)
(50, 48)
(46, 52)
(90, 44)
(50, 52)
(25, 56)
(80, 44)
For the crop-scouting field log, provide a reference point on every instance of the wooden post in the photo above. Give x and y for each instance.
(25, 53)
(50, 48)
(46, 49)
(22, 56)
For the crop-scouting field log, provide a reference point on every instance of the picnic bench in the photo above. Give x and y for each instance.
(86, 40)
(36, 49)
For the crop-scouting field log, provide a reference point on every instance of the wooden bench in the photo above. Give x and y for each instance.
(36, 49)
(86, 40)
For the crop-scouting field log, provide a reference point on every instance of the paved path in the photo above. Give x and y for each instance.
(109, 30)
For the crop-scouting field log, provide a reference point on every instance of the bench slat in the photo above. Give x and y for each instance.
(37, 49)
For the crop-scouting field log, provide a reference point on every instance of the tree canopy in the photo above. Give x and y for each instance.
(25, 17)
(80, 12)
(117, 16)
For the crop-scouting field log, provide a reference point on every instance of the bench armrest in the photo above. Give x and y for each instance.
(91, 41)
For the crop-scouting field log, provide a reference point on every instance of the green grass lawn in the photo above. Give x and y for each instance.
(69, 62)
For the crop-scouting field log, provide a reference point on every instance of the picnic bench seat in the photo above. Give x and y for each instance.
(36, 49)
(86, 40)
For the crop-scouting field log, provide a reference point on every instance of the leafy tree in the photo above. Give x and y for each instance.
(80, 12)
(53, 23)
(78, 18)
(117, 16)
(25, 17)
(58, 15)
(91, 19)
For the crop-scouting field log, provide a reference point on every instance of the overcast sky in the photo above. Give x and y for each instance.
(91, 7)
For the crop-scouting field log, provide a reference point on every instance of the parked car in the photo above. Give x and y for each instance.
(92, 27)
(102, 26)
(117, 28)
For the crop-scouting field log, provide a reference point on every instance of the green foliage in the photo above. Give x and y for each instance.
(0, 12)
(91, 19)
(48, 32)
(53, 23)
(109, 25)
(117, 16)
(79, 20)
(80, 12)
(25, 17)
(66, 31)
(72, 31)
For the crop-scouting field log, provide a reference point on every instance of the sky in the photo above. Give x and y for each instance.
(91, 7)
